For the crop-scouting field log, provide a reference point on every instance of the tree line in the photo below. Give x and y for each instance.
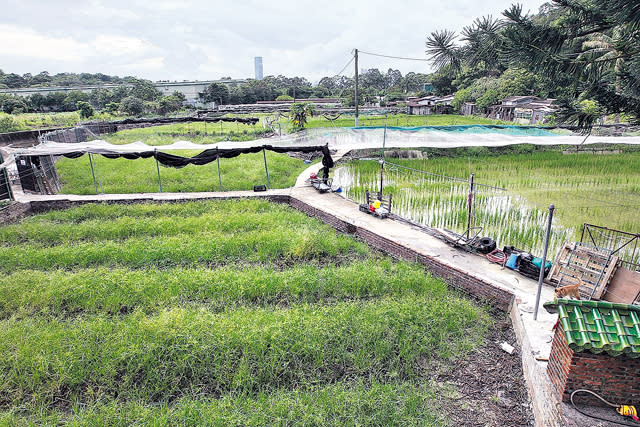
(583, 53)
(137, 96)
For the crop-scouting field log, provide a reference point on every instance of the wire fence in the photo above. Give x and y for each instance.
(624, 245)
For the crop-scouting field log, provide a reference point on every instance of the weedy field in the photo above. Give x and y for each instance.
(224, 313)
(601, 189)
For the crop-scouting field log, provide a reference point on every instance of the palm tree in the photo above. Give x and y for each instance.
(443, 51)
(483, 43)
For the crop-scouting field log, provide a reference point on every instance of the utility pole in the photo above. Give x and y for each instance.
(356, 92)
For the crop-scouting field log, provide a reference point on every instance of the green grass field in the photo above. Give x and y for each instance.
(141, 175)
(218, 313)
(598, 189)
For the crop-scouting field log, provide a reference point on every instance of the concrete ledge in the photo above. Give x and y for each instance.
(546, 410)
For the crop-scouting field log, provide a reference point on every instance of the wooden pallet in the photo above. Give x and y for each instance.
(594, 266)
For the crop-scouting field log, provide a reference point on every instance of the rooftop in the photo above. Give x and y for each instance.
(599, 326)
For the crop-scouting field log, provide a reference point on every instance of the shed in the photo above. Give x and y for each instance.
(596, 346)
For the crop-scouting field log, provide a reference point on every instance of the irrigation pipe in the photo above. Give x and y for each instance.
(582, 390)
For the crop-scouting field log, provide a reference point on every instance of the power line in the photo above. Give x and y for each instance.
(345, 67)
(395, 57)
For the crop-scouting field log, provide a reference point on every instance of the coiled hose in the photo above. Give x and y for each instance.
(497, 256)
(624, 410)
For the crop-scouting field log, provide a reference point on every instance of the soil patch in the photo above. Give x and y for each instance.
(487, 388)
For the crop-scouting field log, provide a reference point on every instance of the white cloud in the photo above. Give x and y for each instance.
(109, 45)
(154, 63)
(20, 41)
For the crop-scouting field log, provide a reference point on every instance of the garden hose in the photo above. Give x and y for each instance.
(624, 410)
(497, 256)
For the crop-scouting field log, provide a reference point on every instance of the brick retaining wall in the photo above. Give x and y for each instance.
(616, 379)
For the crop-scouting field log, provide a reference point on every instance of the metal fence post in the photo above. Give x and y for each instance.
(264, 154)
(544, 262)
(93, 173)
(155, 154)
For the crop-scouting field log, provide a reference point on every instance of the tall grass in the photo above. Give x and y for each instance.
(397, 404)
(181, 351)
(221, 312)
(61, 293)
(141, 175)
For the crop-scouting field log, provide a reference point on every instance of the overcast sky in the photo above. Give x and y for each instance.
(193, 39)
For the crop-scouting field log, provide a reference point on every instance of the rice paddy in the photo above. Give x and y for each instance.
(597, 189)
(224, 313)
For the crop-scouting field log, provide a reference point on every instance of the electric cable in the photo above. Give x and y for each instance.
(394, 57)
(582, 390)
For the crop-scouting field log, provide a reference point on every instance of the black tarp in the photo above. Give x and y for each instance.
(211, 155)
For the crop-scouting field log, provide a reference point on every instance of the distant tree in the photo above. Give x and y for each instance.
(393, 78)
(373, 78)
(443, 82)
(168, 104)
(179, 96)
(132, 106)
(112, 107)
(216, 92)
(13, 80)
(300, 91)
(86, 110)
(321, 92)
(37, 101)
(299, 113)
(72, 98)
(13, 105)
(144, 90)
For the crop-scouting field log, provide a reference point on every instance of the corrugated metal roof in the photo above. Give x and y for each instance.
(599, 326)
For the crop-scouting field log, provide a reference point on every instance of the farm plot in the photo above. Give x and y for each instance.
(597, 189)
(141, 175)
(232, 313)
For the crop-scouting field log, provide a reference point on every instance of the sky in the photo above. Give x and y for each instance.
(207, 40)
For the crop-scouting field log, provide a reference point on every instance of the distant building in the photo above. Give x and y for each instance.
(523, 109)
(258, 67)
(468, 109)
(430, 105)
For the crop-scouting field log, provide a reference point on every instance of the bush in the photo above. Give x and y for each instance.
(85, 109)
(284, 98)
(132, 106)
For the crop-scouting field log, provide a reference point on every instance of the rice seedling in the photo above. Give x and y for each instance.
(191, 351)
(600, 189)
(61, 293)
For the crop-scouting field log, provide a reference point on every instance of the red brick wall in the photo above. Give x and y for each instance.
(471, 285)
(616, 379)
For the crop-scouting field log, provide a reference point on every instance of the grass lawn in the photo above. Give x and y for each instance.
(219, 313)
(598, 189)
